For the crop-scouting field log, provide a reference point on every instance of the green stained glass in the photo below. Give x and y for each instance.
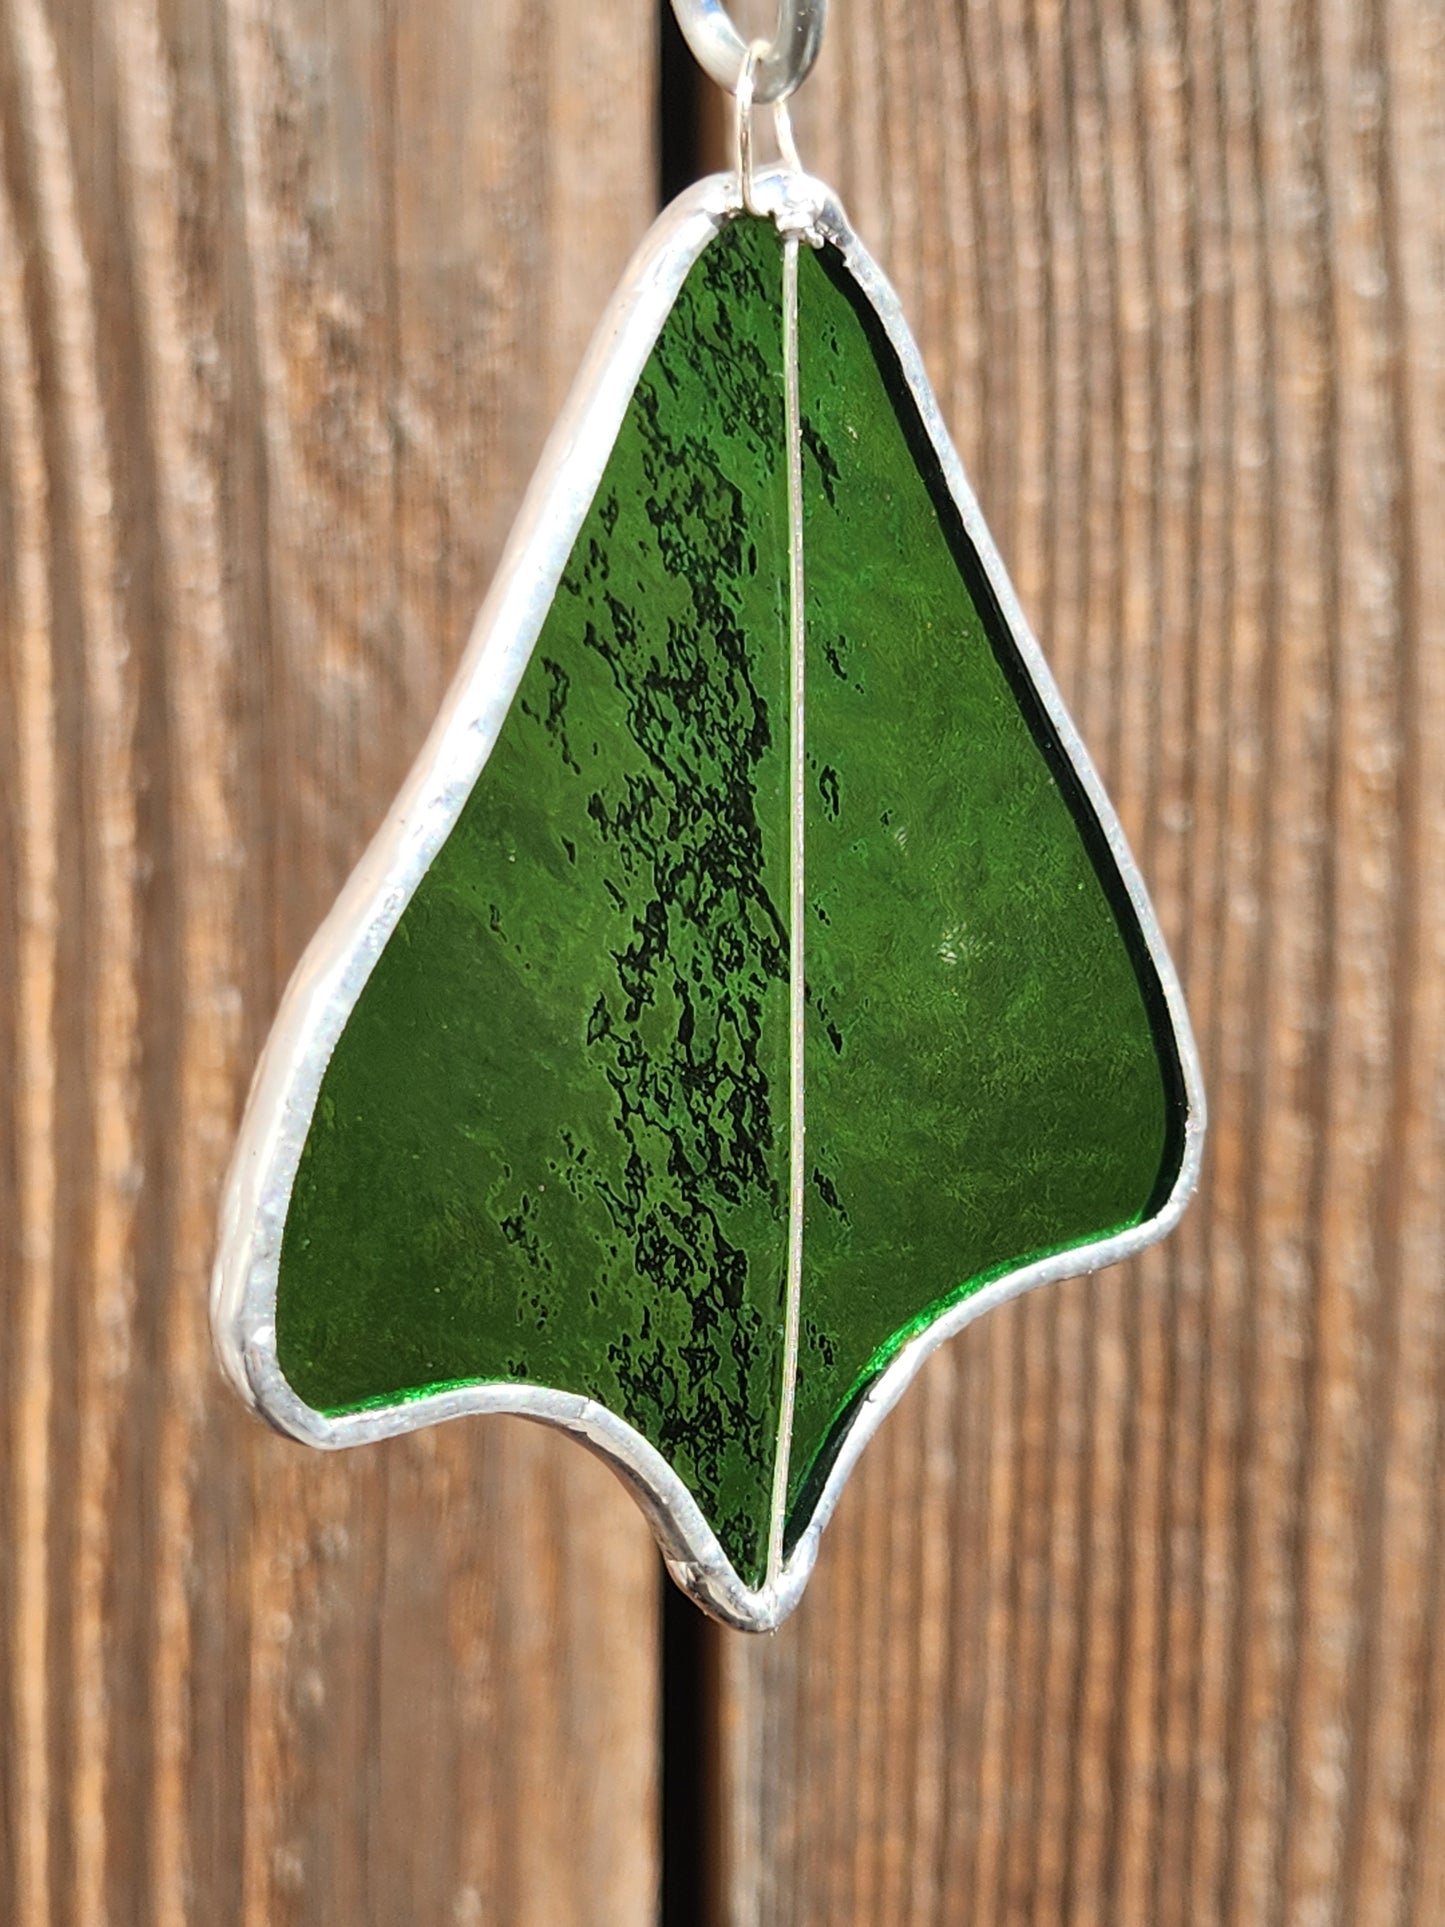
(987, 1080)
(553, 1142)
(549, 1143)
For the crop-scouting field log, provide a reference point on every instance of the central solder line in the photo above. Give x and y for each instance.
(797, 993)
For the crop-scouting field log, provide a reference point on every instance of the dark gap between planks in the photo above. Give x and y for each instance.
(688, 1817)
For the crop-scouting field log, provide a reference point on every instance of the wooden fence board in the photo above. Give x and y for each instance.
(1134, 1612)
(288, 295)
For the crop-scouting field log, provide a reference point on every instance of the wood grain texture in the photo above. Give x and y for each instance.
(289, 292)
(1134, 1611)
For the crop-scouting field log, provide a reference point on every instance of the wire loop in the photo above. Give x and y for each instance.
(743, 123)
(778, 70)
(745, 99)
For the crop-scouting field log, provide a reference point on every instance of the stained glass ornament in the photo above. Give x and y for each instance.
(751, 984)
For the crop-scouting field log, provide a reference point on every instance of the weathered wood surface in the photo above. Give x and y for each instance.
(1134, 1613)
(289, 292)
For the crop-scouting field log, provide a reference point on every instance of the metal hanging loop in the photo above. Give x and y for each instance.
(723, 53)
(743, 127)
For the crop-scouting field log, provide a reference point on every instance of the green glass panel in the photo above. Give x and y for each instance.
(990, 1072)
(552, 1142)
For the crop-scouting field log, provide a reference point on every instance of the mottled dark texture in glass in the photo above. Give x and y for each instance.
(552, 1144)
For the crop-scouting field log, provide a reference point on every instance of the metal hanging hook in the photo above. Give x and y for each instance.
(743, 127)
(723, 53)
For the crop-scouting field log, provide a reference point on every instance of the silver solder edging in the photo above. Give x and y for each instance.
(340, 957)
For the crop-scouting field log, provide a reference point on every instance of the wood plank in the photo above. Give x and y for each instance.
(1133, 1612)
(288, 294)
